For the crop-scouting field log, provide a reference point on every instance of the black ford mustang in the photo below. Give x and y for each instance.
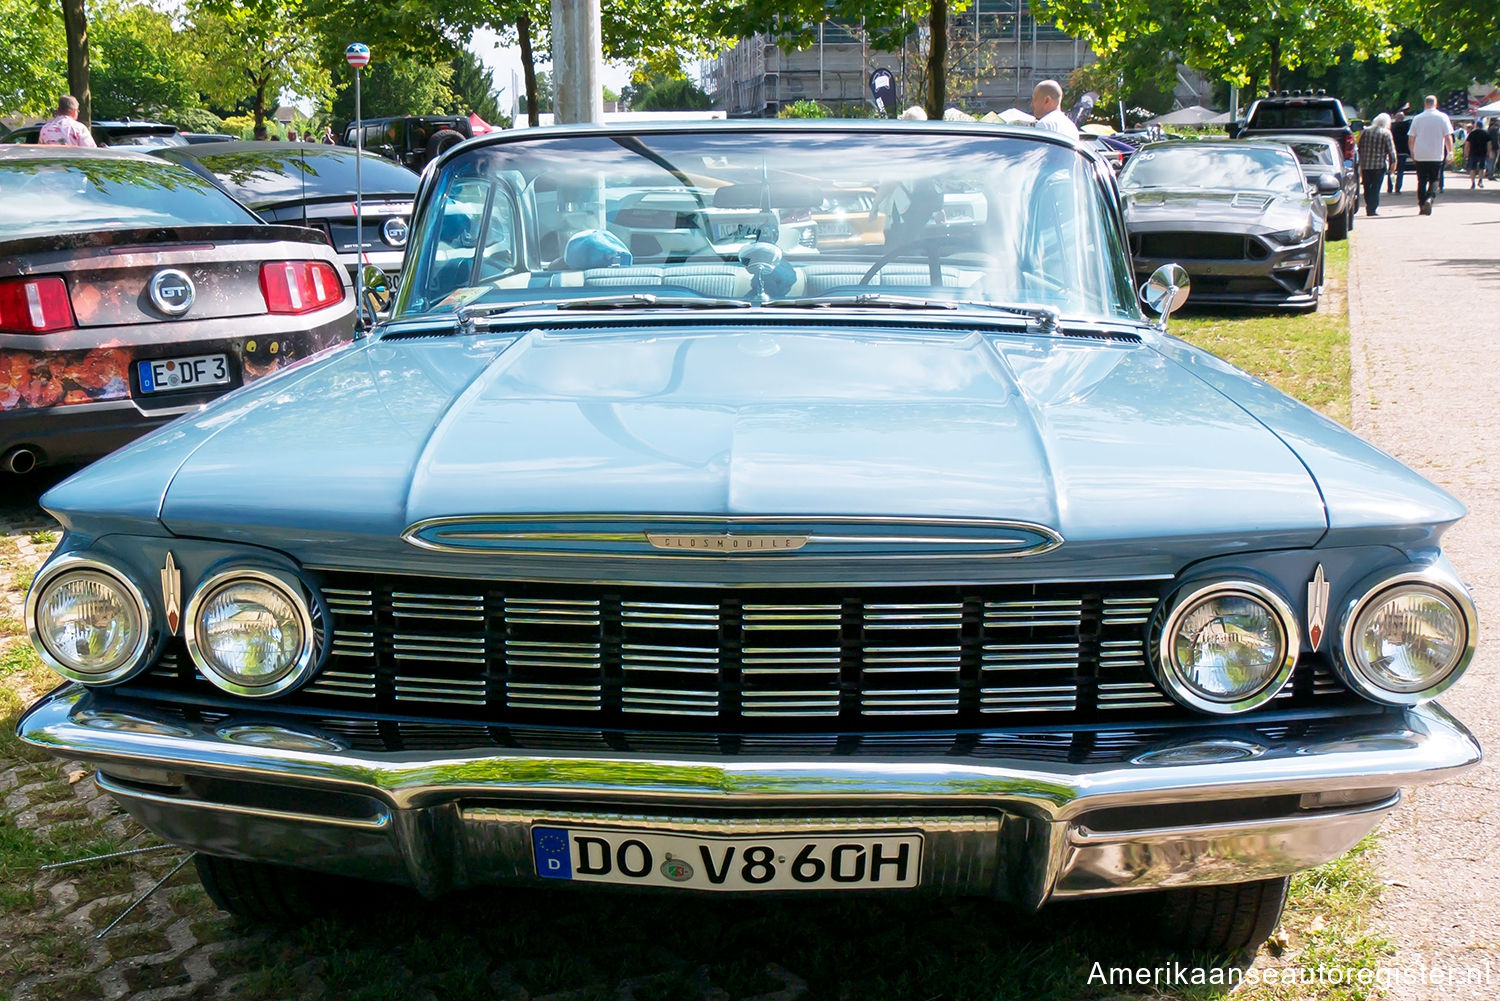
(1239, 216)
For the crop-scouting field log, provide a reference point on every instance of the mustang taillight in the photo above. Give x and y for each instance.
(34, 305)
(299, 286)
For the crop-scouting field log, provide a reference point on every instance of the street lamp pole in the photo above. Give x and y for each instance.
(357, 55)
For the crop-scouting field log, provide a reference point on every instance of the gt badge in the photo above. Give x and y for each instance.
(1317, 607)
(171, 592)
(171, 291)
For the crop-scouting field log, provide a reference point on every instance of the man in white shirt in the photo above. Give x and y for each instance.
(1431, 140)
(64, 128)
(1046, 105)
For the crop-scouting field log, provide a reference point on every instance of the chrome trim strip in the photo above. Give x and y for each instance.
(1051, 539)
(136, 661)
(111, 786)
(1373, 587)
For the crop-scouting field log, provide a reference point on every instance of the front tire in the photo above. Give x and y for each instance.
(1230, 921)
(1339, 226)
(262, 892)
(441, 141)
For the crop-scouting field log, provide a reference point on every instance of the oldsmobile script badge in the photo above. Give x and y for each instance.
(723, 542)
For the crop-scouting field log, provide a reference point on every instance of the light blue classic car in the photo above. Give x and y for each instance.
(647, 545)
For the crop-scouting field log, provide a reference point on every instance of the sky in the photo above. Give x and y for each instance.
(506, 59)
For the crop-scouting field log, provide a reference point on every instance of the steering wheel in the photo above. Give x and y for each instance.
(927, 243)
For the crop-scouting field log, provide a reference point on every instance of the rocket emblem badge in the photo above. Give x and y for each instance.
(171, 592)
(1317, 607)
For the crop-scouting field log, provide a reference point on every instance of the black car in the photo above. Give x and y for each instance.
(1336, 179)
(1300, 113)
(310, 184)
(133, 291)
(412, 140)
(1237, 215)
(123, 133)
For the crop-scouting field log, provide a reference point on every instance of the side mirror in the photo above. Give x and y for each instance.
(1165, 291)
(379, 291)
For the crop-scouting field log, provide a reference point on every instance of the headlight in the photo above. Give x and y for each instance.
(1291, 237)
(1226, 647)
(1407, 638)
(250, 632)
(88, 620)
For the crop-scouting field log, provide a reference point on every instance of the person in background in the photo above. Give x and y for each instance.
(64, 128)
(1377, 157)
(261, 134)
(1477, 154)
(1431, 138)
(1046, 105)
(292, 136)
(1493, 128)
(328, 139)
(1400, 127)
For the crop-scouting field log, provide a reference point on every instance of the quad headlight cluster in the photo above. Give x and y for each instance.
(1228, 646)
(249, 631)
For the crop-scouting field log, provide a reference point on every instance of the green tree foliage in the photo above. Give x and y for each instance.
(141, 66)
(1418, 69)
(257, 49)
(472, 88)
(33, 60)
(662, 92)
(1248, 44)
(394, 86)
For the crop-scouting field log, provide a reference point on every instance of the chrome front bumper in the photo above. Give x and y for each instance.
(1144, 809)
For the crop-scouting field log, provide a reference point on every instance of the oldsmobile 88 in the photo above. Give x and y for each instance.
(924, 563)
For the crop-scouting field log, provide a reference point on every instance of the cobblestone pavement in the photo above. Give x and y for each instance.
(1425, 335)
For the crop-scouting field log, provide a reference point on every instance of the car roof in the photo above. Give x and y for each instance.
(129, 123)
(264, 174)
(16, 151)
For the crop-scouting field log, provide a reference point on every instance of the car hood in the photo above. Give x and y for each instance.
(1126, 454)
(1136, 454)
(1161, 208)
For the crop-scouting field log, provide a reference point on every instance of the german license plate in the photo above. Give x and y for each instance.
(163, 374)
(835, 229)
(741, 862)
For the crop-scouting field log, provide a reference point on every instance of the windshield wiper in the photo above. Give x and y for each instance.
(473, 317)
(1045, 318)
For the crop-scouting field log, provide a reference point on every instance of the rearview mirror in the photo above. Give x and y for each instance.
(1165, 291)
(379, 291)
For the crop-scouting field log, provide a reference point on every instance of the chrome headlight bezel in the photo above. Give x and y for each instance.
(1164, 660)
(292, 589)
(1378, 586)
(73, 563)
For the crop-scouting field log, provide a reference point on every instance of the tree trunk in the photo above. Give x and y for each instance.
(937, 60)
(1275, 75)
(76, 27)
(260, 103)
(528, 69)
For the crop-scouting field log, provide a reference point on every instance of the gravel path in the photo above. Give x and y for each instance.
(1425, 335)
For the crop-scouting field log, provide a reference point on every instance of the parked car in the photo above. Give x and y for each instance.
(1336, 179)
(1114, 151)
(309, 184)
(410, 140)
(927, 566)
(1305, 113)
(111, 133)
(198, 138)
(132, 291)
(1237, 215)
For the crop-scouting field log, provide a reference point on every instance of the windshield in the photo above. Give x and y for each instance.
(1314, 154)
(42, 196)
(1213, 167)
(1299, 115)
(777, 215)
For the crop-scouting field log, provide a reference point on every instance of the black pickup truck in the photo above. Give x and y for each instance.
(1313, 114)
(411, 140)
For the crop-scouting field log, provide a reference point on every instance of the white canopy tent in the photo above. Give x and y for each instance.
(1195, 114)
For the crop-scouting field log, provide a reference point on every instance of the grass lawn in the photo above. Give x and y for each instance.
(515, 944)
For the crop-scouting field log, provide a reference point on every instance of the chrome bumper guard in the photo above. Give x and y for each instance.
(1222, 804)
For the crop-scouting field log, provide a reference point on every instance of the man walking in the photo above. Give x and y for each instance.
(1477, 154)
(1377, 155)
(1431, 138)
(64, 128)
(1046, 105)
(1399, 128)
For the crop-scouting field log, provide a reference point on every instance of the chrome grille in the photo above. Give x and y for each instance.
(810, 660)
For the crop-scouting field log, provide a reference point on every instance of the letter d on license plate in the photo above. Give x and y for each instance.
(854, 861)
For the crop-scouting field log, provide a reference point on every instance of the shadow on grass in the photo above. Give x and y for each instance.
(525, 942)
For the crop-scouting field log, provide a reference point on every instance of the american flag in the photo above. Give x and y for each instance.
(1458, 104)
